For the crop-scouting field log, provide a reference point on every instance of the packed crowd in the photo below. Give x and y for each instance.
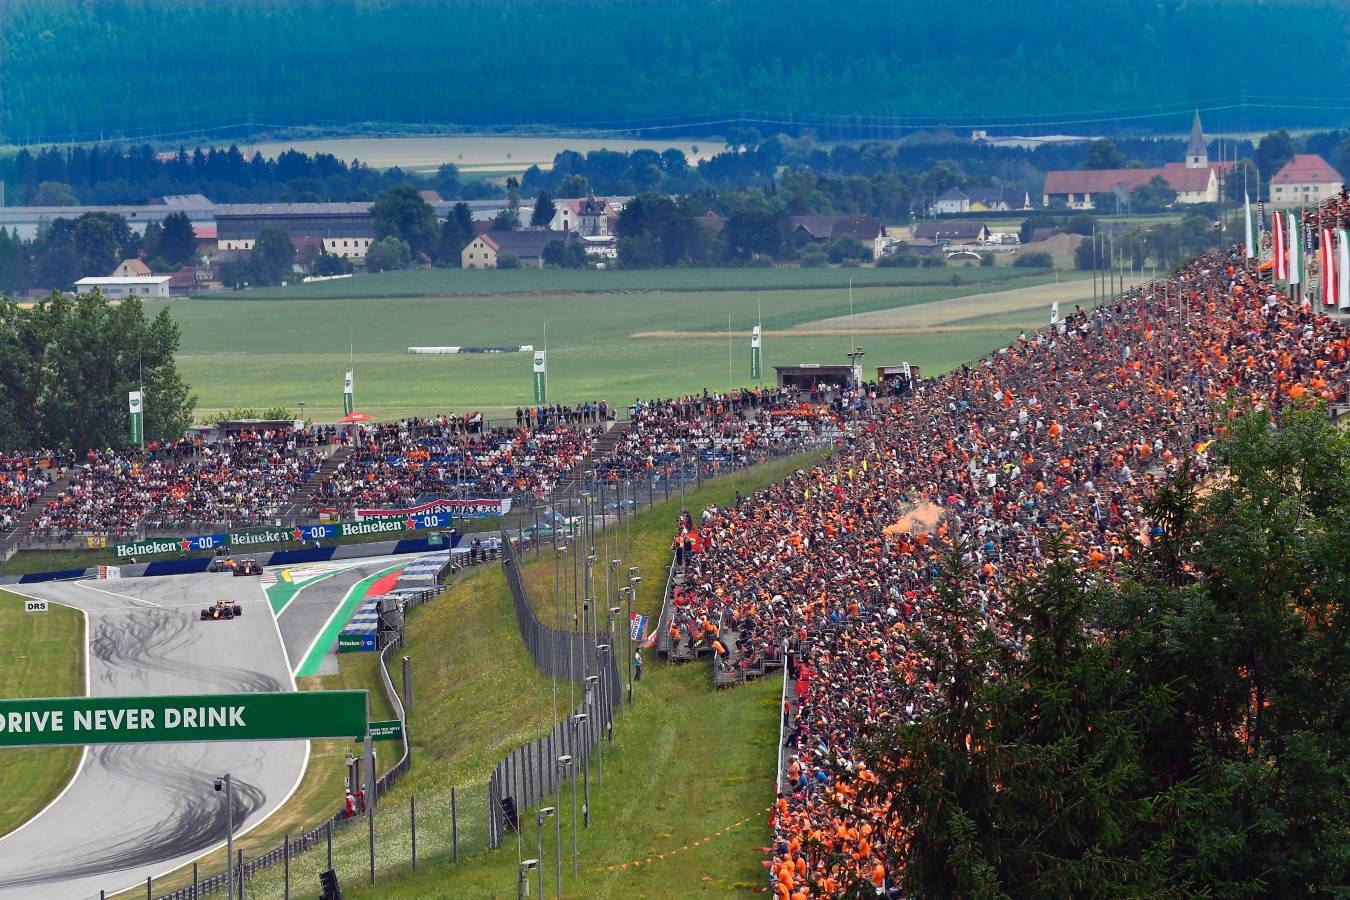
(251, 478)
(395, 463)
(718, 429)
(1064, 432)
(23, 479)
(248, 478)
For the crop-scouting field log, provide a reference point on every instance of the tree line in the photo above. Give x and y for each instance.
(99, 175)
(67, 365)
(903, 175)
(862, 68)
(1179, 733)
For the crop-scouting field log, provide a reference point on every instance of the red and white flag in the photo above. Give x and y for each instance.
(1328, 261)
(1277, 242)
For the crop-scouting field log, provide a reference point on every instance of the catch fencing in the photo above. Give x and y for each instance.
(533, 771)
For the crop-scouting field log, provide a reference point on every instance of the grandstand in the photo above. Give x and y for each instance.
(1068, 431)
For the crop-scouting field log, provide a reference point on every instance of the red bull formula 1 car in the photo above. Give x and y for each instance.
(246, 566)
(223, 609)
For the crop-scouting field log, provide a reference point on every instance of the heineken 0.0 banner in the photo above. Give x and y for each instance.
(348, 402)
(541, 376)
(391, 524)
(137, 418)
(205, 717)
(756, 342)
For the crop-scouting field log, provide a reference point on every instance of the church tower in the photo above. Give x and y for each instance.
(1197, 157)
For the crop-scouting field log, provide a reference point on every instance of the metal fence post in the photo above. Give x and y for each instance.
(194, 881)
(329, 831)
(407, 693)
(240, 869)
(454, 828)
(149, 889)
(412, 818)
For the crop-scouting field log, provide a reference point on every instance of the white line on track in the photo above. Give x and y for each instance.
(115, 594)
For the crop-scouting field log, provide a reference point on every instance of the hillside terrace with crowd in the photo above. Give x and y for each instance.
(834, 573)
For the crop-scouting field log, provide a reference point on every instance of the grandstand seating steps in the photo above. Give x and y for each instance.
(305, 497)
(9, 540)
(575, 478)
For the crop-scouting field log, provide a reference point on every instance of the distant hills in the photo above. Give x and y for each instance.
(76, 70)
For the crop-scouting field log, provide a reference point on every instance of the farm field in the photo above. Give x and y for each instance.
(609, 346)
(475, 153)
(482, 282)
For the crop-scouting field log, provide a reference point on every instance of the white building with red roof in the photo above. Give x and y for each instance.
(1196, 180)
(1305, 180)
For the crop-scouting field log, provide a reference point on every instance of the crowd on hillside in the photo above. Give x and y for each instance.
(1064, 432)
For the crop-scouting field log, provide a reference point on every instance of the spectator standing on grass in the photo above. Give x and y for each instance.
(637, 665)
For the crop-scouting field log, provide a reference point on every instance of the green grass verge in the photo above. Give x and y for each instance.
(610, 346)
(687, 763)
(45, 659)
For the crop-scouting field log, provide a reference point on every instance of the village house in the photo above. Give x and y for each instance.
(946, 233)
(1305, 179)
(868, 230)
(484, 251)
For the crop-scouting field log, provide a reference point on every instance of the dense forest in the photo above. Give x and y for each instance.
(77, 70)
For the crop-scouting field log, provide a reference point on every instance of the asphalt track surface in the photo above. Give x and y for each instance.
(133, 811)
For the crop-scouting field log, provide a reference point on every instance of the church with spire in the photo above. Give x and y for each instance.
(1196, 179)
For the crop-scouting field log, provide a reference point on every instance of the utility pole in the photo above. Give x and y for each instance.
(224, 783)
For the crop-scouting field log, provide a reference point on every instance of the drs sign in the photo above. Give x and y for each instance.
(35, 605)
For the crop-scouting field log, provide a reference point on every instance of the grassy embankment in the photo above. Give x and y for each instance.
(686, 763)
(45, 659)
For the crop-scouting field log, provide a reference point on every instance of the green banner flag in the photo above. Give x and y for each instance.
(348, 402)
(756, 342)
(541, 376)
(56, 721)
(137, 418)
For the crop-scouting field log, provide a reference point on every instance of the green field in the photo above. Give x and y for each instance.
(259, 353)
(427, 282)
(45, 659)
(474, 153)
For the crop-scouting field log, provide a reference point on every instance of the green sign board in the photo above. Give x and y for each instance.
(194, 717)
(386, 731)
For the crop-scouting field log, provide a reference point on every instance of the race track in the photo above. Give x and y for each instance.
(133, 811)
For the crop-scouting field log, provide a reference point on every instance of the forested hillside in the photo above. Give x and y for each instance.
(71, 69)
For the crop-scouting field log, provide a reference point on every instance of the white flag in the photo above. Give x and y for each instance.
(1054, 312)
(1295, 262)
(1343, 286)
(1251, 242)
